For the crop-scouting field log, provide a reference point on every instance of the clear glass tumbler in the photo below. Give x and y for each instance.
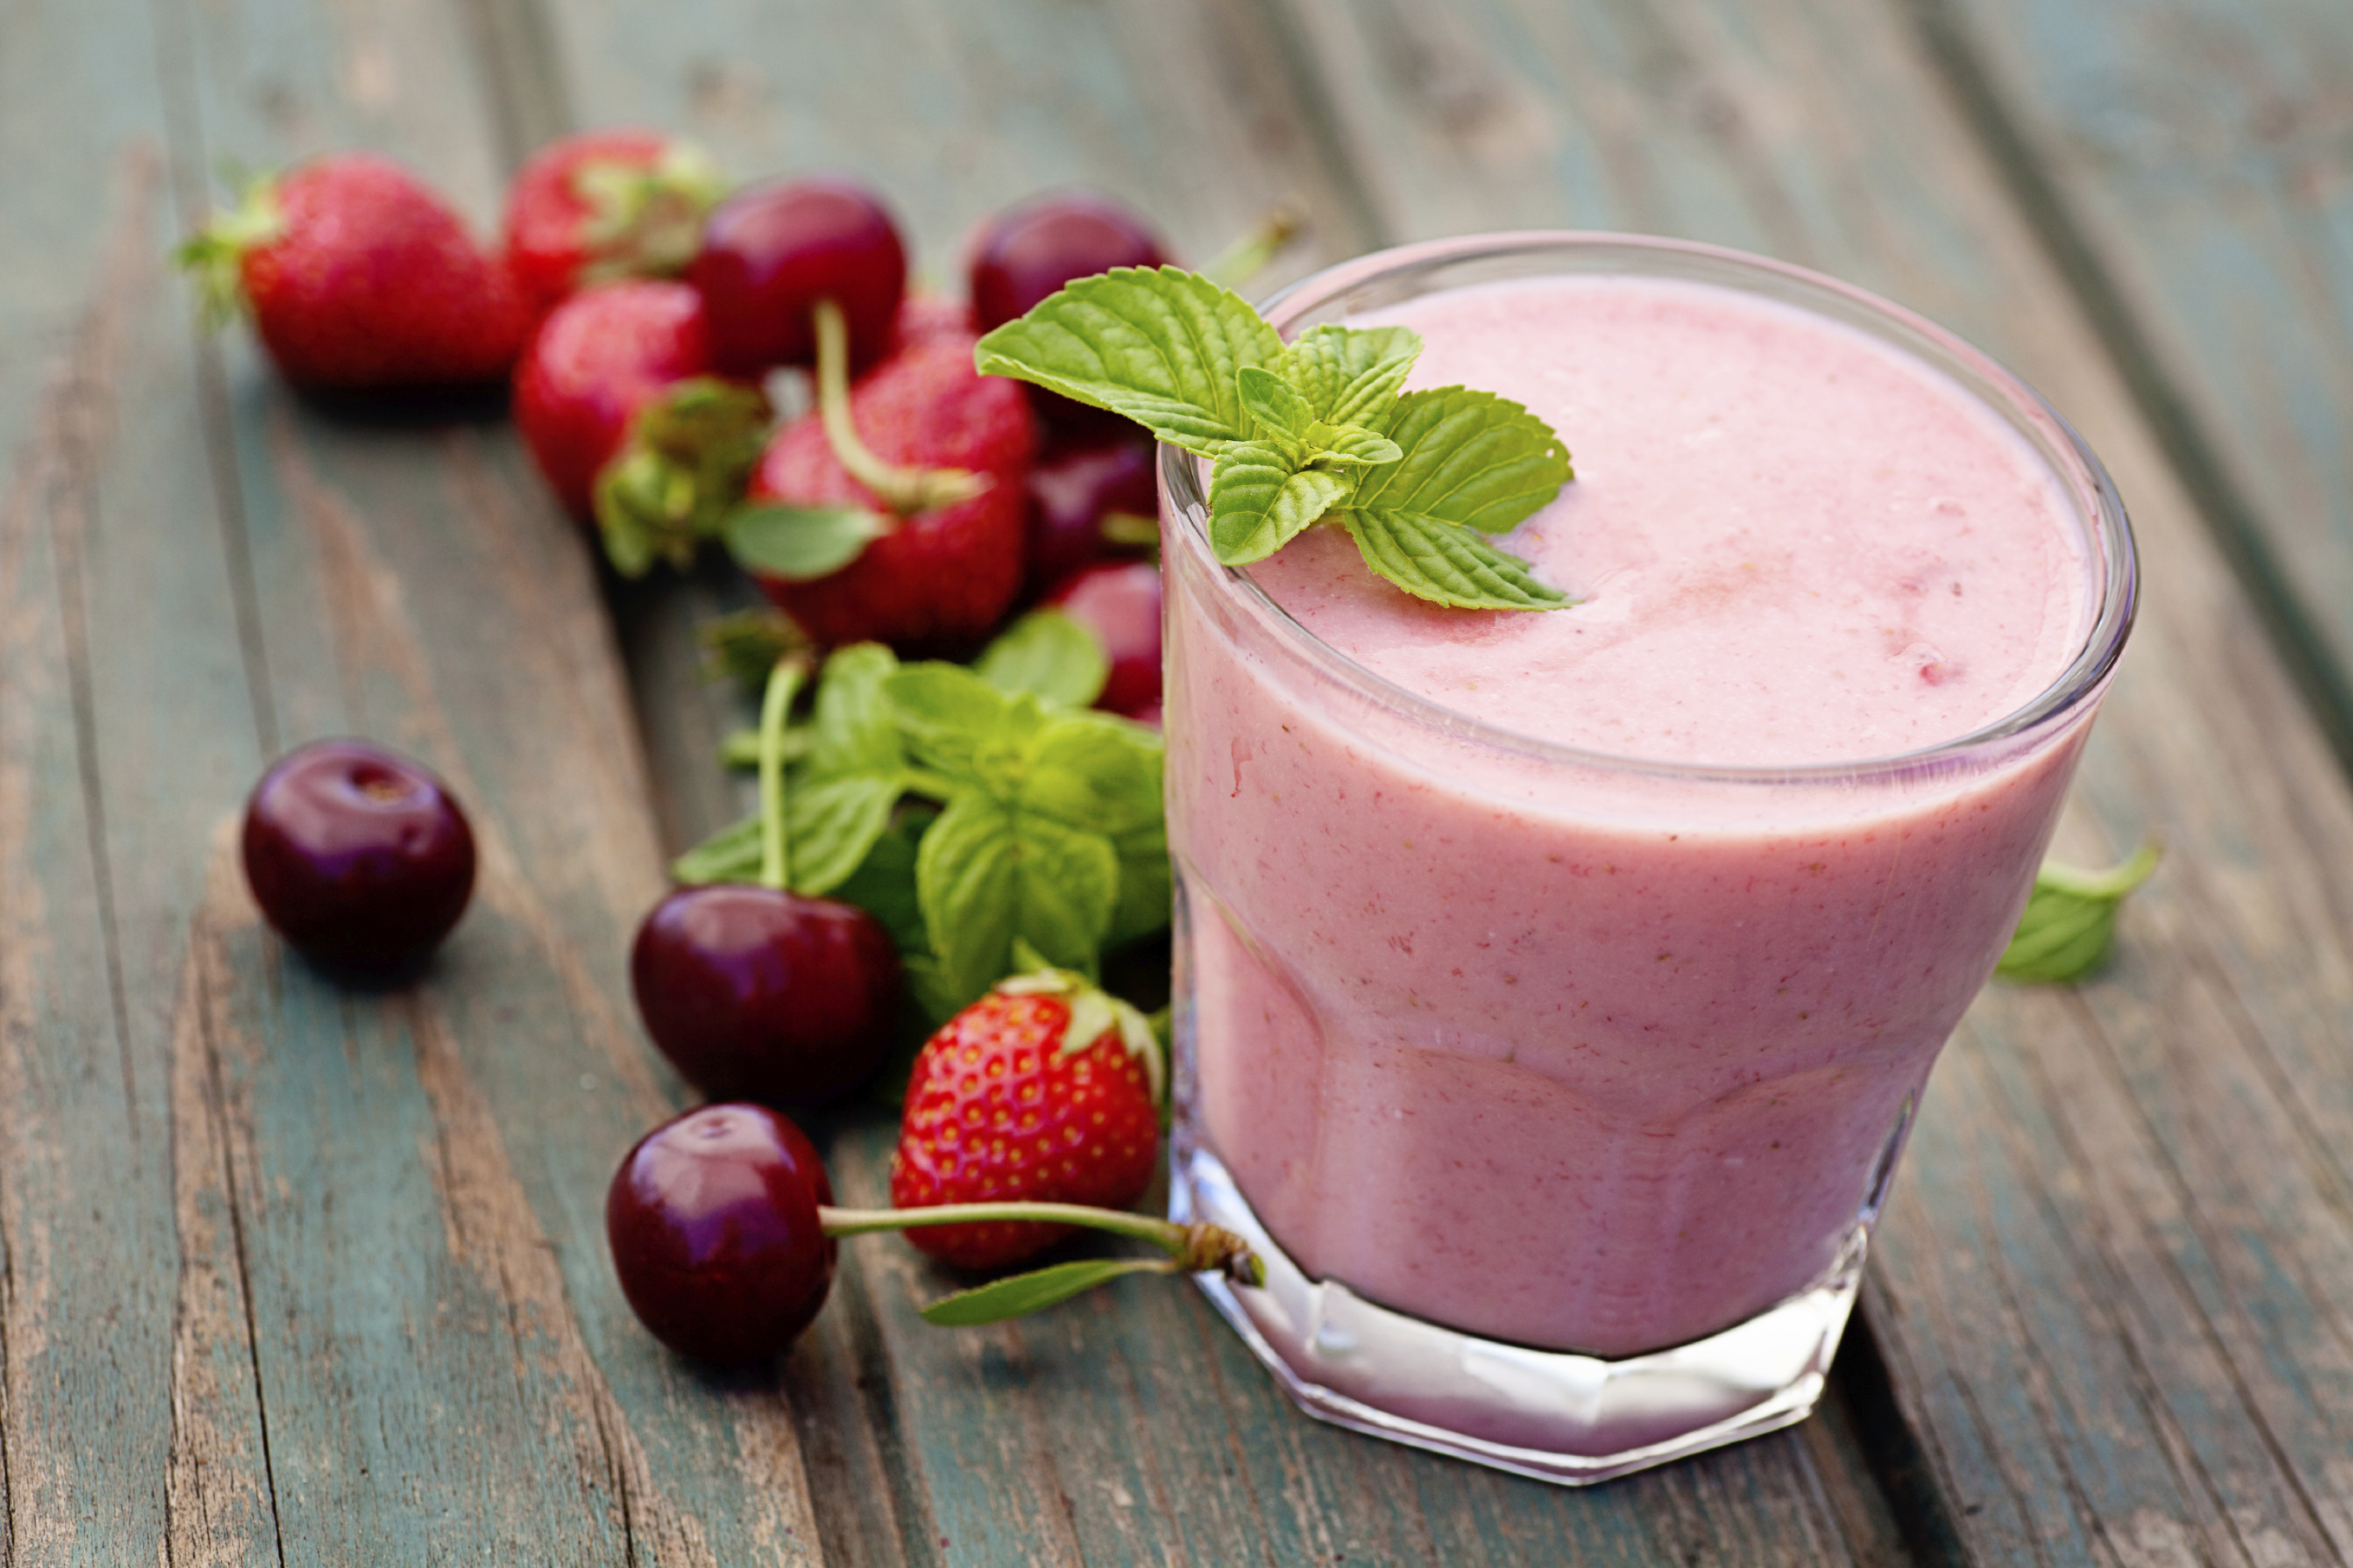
(1570, 1262)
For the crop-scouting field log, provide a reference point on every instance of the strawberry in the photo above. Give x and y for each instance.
(615, 399)
(359, 275)
(1044, 1091)
(935, 578)
(604, 205)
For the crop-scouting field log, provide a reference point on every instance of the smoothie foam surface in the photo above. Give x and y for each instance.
(1796, 545)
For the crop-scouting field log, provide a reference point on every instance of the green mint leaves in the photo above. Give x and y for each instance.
(1302, 432)
(971, 810)
(2071, 918)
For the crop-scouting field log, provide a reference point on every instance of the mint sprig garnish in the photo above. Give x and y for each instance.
(2071, 919)
(972, 810)
(1300, 433)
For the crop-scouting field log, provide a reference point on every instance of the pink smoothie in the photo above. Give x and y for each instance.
(1605, 1058)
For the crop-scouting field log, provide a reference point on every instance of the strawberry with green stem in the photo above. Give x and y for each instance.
(360, 277)
(618, 399)
(604, 205)
(896, 512)
(1048, 1089)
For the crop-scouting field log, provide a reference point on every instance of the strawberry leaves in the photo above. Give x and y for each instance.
(1048, 830)
(1319, 428)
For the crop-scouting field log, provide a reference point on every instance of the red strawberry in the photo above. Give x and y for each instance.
(615, 399)
(938, 578)
(359, 275)
(1044, 1091)
(604, 205)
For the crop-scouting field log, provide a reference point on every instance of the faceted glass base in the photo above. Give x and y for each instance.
(1554, 1414)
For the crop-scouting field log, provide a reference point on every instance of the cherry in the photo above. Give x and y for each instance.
(357, 855)
(1028, 252)
(1070, 490)
(755, 992)
(1119, 601)
(713, 1219)
(771, 251)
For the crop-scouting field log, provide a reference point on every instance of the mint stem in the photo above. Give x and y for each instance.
(776, 863)
(904, 490)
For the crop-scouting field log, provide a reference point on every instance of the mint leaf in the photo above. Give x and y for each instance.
(985, 875)
(1349, 446)
(884, 884)
(740, 748)
(730, 855)
(745, 645)
(2071, 919)
(1162, 347)
(1048, 655)
(833, 823)
(1275, 401)
(853, 727)
(1351, 375)
(1146, 884)
(1259, 500)
(799, 543)
(1022, 1294)
(958, 725)
(1096, 772)
(965, 882)
(1470, 458)
(1445, 565)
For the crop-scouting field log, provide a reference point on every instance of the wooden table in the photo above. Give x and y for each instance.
(293, 1275)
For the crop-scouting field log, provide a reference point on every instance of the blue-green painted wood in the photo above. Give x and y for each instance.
(2192, 161)
(298, 1275)
(131, 1410)
(2109, 1290)
(471, 1383)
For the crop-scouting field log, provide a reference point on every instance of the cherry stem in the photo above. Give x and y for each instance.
(904, 490)
(776, 862)
(1247, 257)
(1193, 1249)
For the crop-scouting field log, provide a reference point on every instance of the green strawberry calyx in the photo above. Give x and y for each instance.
(645, 220)
(215, 256)
(1094, 1012)
(680, 475)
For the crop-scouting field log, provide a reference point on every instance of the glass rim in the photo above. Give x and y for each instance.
(2097, 506)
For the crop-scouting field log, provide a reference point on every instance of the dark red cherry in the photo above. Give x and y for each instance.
(1119, 601)
(357, 855)
(714, 1226)
(1028, 252)
(758, 995)
(770, 252)
(1071, 489)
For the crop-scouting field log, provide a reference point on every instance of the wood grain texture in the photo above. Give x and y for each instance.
(296, 1273)
(2109, 1289)
(1131, 1427)
(2190, 164)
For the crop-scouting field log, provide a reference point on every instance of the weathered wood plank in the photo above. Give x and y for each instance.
(299, 1274)
(123, 1312)
(2110, 1287)
(1132, 1427)
(416, 585)
(2189, 163)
